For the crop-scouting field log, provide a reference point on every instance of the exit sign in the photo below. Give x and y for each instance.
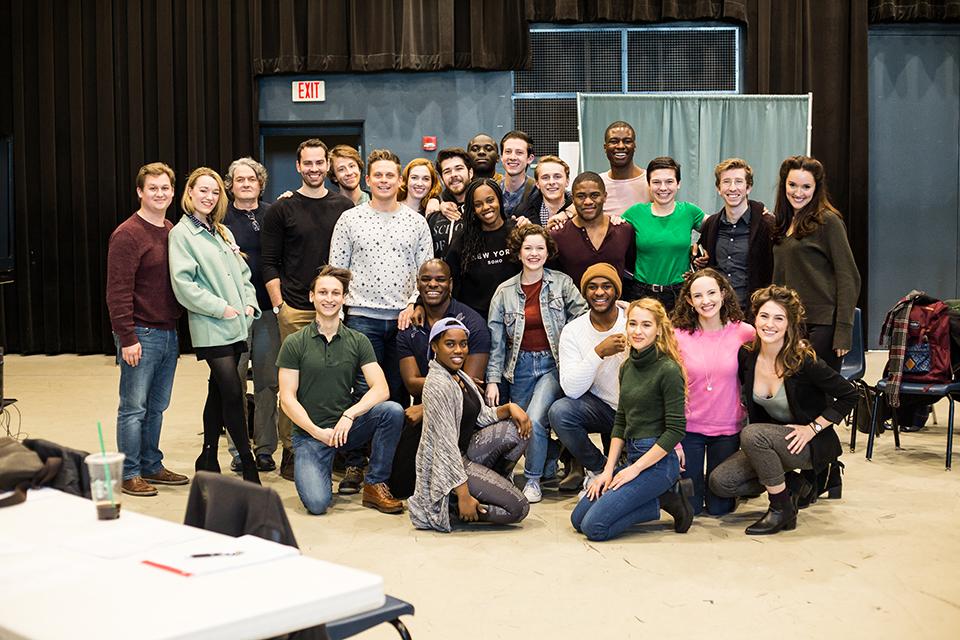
(308, 91)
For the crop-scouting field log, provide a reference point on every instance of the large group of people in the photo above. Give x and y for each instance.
(423, 335)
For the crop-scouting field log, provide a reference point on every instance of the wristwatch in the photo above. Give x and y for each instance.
(817, 428)
(276, 309)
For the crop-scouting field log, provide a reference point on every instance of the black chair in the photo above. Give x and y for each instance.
(389, 612)
(946, 390)
(854, 366)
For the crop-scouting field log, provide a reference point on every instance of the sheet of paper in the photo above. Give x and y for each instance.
(212, 555)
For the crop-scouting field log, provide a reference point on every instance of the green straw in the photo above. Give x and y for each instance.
(106, 467)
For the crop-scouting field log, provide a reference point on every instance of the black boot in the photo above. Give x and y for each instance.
(802, 492)
(249, 467)
(207, 461)
(781, 515)
(286, 464)
(676, 502)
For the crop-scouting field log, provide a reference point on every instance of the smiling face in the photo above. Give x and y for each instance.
(516, 156)
(772, 323)
(205, 193)
(384, 180)
(327, 297)
(455, 175)
(486, 206)
(245, 185)
(156, 194)
(434, 283)
(620, 144)
(706, 297)
(663, 186)
(551, 180)
(533, 252)
(347, 172)
(312, 166)
(588, 199)
(600, 293)
(419, 182)
(734, 188)
(800, 186)
(483, 152)
(641, 328)
(451, 348)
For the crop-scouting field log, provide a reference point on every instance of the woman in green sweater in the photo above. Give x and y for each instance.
(650, 423)
(812, 256)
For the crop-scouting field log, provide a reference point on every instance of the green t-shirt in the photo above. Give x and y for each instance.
(663, 243)
(328, 370)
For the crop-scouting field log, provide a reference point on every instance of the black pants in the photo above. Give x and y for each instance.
(225, 406)
(821, 339)
(666, 294)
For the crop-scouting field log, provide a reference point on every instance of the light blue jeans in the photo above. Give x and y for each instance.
(380, 427)
(535, 387)
(144, 396)
(637, 501)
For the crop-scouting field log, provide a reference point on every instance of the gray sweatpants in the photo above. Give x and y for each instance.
(761, 462)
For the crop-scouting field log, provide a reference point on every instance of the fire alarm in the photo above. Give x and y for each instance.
(429, 143)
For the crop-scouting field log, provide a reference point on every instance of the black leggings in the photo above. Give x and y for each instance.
(224, 406)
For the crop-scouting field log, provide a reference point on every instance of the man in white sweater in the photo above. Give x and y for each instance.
(592, 347)
(383, 243)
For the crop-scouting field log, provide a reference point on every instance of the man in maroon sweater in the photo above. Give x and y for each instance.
(143, 315)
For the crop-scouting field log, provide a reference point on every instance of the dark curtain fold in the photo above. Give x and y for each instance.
(914, 10)
(820, 46)
(99, 89)
(636, 11)
(293, 36)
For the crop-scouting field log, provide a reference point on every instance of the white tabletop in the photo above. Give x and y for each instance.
(66, 574)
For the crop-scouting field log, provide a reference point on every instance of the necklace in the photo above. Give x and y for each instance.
(712, 356)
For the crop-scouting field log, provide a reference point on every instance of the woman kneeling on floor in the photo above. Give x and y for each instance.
(650, 423)
(467, 448)
(793, 399)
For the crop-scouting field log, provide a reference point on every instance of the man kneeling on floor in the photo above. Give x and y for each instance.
(318, 366)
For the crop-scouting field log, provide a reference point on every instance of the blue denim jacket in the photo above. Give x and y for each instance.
(560, 302)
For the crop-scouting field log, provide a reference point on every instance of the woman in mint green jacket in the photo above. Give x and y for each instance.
(211, 280)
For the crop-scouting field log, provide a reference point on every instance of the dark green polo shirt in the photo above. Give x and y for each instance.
(327, 370)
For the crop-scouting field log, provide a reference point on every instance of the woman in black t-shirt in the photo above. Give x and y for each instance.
(478, 257)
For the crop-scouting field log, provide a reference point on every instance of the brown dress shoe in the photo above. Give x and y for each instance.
(137, 486)
(378, 496)
(165, 476)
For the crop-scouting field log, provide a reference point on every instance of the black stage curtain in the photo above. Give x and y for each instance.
(98, 89)
(636, 11)
(384, 35)
(914, 10)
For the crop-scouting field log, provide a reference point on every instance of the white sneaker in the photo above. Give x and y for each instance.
(531, 491)
(588, 477)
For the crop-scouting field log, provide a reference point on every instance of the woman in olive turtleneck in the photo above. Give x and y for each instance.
(650, 423)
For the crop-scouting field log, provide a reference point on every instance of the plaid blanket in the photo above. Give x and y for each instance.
(894, 333)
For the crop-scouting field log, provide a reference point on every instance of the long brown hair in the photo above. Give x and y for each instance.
(665, 342)
(219, 211)
(811, 216)
(435, 189)
(795, 348)
(685, 317)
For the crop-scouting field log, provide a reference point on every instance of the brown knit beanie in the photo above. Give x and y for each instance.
(604, 270)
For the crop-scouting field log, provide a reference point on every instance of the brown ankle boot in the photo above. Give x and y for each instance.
(378, 496)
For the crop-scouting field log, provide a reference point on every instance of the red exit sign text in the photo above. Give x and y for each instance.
(308, 91)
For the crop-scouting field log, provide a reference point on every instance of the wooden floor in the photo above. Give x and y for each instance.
(883, 562)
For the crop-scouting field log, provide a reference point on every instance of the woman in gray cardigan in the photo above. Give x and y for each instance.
(211, 280)
(467, 448)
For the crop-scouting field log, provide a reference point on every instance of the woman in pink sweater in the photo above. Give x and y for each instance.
(710, 329)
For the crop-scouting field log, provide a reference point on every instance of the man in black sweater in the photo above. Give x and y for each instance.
(295, 243)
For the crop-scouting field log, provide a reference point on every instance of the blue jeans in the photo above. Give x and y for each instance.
(383, 337)
(144, 396)
(637, 501)
(380, 427)
(574, 419)
(535, 387)
(264, 343)
(715, 449)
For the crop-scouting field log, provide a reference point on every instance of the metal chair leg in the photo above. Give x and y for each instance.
(401, 629)
(873, 424)
(950, 434)
(853, 428)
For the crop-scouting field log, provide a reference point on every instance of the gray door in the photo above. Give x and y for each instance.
(914, 165)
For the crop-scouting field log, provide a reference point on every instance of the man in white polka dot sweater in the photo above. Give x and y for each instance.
(383, 243)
